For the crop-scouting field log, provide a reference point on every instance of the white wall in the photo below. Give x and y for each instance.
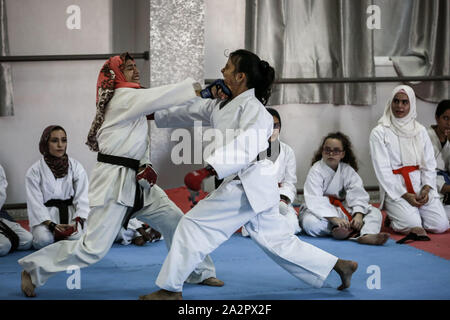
(224, 33)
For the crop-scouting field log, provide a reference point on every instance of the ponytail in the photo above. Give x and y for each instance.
(264, 90)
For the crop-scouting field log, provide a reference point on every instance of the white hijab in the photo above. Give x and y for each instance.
(407, 128)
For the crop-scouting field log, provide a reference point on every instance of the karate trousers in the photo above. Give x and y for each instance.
(104, 222)
(431, 216)
(321, 227)
(214, 220)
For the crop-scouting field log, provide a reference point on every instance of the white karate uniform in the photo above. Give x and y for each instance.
(25, 237)
(42, 186)
(385, 153)
(344, 184)
(285, 166)
(248, 195)
(112, 188)
(442, 157)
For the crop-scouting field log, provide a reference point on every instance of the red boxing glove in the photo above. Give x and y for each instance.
(193, 180)
(62, 235)
(147, 177)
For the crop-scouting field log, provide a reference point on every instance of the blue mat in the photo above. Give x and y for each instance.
(129, 271)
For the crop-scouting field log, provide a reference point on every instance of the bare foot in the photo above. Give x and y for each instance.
(27, 286)
(374, 239)
(345, 269)
(162, 295)
(213, 282)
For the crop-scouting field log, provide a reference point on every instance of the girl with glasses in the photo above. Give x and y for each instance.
(336, 203)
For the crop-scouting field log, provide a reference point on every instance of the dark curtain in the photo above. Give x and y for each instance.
(314, 39)
(416, 35)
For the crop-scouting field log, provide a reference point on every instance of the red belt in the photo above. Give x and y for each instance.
(337, 203)
(404, 171)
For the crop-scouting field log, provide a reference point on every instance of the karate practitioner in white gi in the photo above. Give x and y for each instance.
(12, 235)
(249, 192)
(439, 136)
(404, 163)
(56, 176)
(283, 158)
(336, 202)
(119, 131)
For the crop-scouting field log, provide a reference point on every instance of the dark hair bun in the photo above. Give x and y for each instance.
(260, 75)
(263, 65)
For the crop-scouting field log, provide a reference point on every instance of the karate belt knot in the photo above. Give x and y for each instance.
(337, 203)
(131, 164)
(404, 171)
(63, 207)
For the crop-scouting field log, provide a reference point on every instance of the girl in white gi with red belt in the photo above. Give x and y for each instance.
(336, 202)
(439, 136)
(249, 193)
(283, 158)
(120, 133)
(57, 192)
(404, 163)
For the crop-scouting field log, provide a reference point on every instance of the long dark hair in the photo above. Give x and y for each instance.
(349, 158)
(260, 75)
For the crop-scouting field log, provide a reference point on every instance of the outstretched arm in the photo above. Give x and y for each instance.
(128, 104)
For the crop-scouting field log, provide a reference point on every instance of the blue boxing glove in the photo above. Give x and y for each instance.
(219, 84)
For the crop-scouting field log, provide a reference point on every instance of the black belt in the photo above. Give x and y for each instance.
(134, 165)
(120, 161)
(63, 207)
(10, 234)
